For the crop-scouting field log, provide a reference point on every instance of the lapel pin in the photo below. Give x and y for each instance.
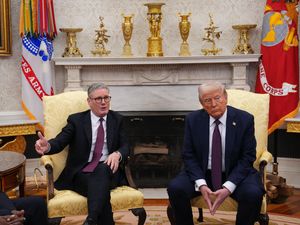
(233, 123)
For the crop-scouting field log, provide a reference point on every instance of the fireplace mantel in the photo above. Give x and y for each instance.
(167, 66)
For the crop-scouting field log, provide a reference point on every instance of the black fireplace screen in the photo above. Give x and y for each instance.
(155, 147)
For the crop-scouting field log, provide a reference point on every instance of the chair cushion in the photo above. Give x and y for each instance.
(228, 205)
(66, 202)
(257, 105)
(57, 109)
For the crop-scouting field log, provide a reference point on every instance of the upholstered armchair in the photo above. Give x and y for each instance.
(62, 203)
(257, 105)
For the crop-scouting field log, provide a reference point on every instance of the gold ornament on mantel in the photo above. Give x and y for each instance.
(210, 36)
(184, 28)
(71, 49)
(243, 46)
(127, 27)
(101, 38)
(154, 17)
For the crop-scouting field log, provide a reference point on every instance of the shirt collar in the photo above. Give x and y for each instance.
(95, 118)
(222, 119)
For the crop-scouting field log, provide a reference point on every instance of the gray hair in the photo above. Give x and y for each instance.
(213, 85)
(96, 86)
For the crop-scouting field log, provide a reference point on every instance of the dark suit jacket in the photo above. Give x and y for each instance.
(240, 144)
(78, 135)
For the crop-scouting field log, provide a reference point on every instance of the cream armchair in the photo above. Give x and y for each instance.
(257, 105)
(65, 202)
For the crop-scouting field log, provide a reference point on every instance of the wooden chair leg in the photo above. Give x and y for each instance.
(263, 219)
(200, 217)
(141, 214)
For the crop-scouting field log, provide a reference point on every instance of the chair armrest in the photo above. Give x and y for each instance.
(265, 156)
(47, 162)
(128, 173)
(263, 161)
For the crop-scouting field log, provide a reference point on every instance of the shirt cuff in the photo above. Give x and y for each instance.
(48, 150)
(119, 153)
(199, 183)
(229, 186)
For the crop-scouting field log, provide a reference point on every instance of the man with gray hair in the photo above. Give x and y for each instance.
(218, 153)
(97, 145)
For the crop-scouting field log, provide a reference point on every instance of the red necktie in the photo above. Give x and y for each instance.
(98, 149)
(216, 158)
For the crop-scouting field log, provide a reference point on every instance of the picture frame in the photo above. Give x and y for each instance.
(5, 28)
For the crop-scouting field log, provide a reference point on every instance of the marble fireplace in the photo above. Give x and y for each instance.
(154, 94)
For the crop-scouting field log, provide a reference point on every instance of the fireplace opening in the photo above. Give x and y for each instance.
(155, 140)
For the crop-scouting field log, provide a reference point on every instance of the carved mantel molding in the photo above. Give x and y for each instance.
(153, 70)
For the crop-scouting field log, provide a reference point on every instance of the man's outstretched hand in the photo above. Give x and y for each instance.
(41, 145)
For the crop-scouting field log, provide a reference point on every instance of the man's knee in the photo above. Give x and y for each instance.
(175, 189)
(37, 202)
(251, 194)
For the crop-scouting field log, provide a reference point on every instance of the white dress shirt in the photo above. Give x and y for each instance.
(222, 128)
(95, 120)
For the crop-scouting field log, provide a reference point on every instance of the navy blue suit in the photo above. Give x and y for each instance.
(240, 153)
(96, 185)
(35, 208)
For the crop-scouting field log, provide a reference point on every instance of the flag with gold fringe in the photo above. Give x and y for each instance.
(278, 73)
(37, 30)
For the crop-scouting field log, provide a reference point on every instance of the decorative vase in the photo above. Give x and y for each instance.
(127, 28)
(184, 28)
(154, 17)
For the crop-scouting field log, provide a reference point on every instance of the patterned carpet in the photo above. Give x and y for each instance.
(156, 215)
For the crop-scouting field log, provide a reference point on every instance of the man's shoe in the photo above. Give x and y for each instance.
(89, 221)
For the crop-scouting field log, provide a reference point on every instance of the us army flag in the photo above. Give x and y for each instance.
(37, 30)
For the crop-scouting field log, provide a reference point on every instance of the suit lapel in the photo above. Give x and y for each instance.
(87, 126)
(109, 131)
(230, 135)
(203, 125)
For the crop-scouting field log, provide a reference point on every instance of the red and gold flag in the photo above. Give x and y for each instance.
(278, 73)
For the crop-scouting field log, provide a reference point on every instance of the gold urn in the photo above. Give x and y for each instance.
(184, 28)
(127, 28)
(154, 17)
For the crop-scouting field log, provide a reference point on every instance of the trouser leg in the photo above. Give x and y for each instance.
(180, 191)
(35, 209)
(249, 195)
(96, 187)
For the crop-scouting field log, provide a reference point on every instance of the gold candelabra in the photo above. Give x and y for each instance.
(184, 28)
(243, 46)
(71, 50)
(101, 38)
(210, 36)
(154, 17)
(127, 28)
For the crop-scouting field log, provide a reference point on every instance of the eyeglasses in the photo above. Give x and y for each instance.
(208, 101)
(100, 99)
